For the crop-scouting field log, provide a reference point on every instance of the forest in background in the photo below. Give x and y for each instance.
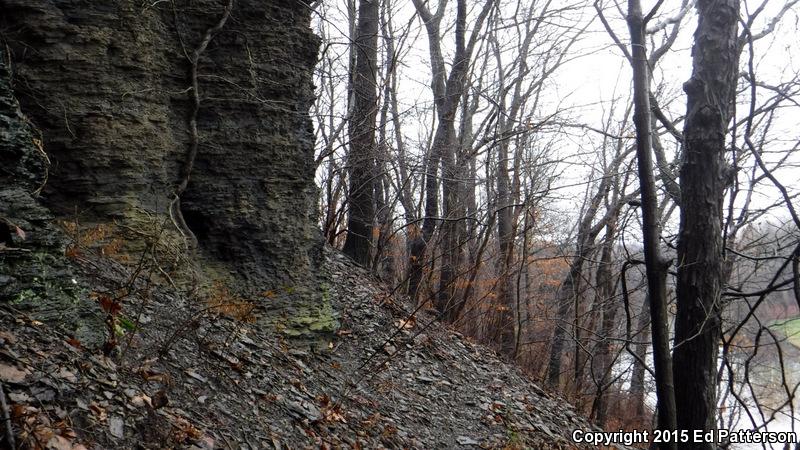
(597, 239)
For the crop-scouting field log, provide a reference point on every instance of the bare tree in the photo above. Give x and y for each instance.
(362, 153)
(704, 177)
(589, 228)
(448, 90)
(656, 265)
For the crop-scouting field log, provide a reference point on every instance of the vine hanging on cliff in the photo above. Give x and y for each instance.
(194, 140)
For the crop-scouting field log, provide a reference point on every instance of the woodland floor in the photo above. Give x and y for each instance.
(195, 380)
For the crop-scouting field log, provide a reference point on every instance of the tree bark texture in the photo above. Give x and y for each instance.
(656, 266)
(362, 152)
(608, 310)
(703, 172)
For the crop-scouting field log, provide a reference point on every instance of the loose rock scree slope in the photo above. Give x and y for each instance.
(194, 379)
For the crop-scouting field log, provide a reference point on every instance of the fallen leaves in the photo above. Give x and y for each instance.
(65, 374)
(98, 411)
(406, 324)
(150, 374)
(8, 338)
(141, 400)
(74, 342)
(102, 237)
(184, 431)
(61, 443)
(12, 374)
(221, 300)
(38, 431)
(20, 233)
(109, 305)
(330, 411)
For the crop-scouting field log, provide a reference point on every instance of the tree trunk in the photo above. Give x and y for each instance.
(361, 157)
(505, 231)
(703, 173)
(565, 296)
(638, 390)
(570, 287)
(420, 237)
(448, 90)
(447, 302)
(656, 266)
(608, 311)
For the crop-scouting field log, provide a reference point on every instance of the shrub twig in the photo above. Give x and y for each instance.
(8, 428)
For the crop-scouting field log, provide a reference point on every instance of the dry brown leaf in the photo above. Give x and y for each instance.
(146, 365)
(98, 411)
(141, 400)
(43, 433)
(26, 413)
(333, 415)
(109, 305)
(72, 251)
(8, 337)
(11, 374)
(184, 430)
(157, 377)
(58, 443)
(406, 324)
(65, 374)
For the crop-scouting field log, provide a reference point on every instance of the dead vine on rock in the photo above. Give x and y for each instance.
(194, 139)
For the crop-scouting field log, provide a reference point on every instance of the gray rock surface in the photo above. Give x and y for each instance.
(193, 379)
(106, 91)
(33, 269)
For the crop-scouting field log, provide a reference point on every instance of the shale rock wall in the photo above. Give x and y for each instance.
(28, 237)
(106, 89)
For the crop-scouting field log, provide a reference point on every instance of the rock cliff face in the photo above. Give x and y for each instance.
(28, 237)
(108, 89)
(108, 85)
